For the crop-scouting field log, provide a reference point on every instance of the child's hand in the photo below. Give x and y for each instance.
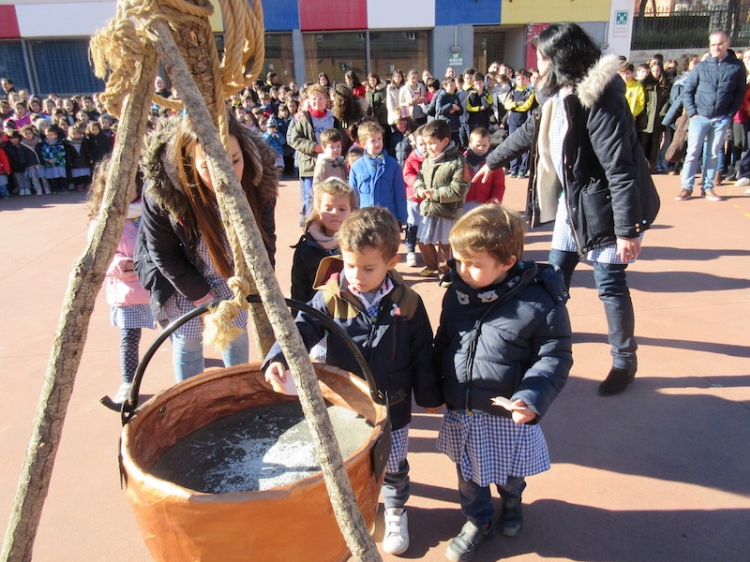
(428, 193)
(280, 379)
(521, 413)
(434, 410)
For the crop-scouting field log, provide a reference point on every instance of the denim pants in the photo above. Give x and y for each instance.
(306, 196)
(187, 355)
(711, 131)
(396, 487)
(613, 290)
(476, 500)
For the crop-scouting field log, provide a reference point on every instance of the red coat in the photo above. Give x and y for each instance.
(491, 188)
(412, 166)
(4, 163)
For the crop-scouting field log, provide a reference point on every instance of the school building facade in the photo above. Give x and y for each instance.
(44, 45)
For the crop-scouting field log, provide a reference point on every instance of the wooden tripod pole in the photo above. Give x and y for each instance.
(235, 203)
(86, 278)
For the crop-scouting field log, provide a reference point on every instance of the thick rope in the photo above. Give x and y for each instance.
(119, 47)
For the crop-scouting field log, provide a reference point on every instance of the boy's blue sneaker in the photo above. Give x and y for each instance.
(464, 546)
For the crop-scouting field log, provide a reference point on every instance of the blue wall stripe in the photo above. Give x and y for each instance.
(477, 12)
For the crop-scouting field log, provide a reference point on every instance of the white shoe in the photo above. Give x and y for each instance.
(123, 393)
(411, 259)
(396, 539)
(742, 182)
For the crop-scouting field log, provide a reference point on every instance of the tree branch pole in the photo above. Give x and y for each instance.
(86, 278)
(228, 188)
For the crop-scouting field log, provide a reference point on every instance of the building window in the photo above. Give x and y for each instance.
(279, 57)
(12, 64)
(489, 47)
(399, 50)
(334, 54)
(62, 67)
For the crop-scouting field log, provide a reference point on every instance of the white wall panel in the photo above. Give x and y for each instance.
(62, 19)
(400, 14)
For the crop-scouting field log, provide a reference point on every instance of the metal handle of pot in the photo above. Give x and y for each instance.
(129, 406)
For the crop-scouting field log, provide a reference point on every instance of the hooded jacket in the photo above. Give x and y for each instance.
(165, 255)
(448, 175)
(609, 191)
(397, 344)
(380, 182)
(512, 339)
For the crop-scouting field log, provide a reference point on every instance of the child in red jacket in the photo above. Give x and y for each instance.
(491, 188)
(412, 166)
(4, 173)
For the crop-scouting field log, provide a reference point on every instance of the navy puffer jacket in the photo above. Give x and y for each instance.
(512, 339)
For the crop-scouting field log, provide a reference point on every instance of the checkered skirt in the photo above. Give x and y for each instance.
(490, 448)
(132, 316)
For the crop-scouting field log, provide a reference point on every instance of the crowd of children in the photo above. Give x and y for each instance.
(403, 168)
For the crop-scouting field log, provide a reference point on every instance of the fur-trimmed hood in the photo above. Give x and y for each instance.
(163, 185)
(599, 78)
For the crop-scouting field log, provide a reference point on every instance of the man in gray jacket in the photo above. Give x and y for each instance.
(711, 95)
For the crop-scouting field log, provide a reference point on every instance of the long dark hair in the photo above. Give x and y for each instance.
(571, 52)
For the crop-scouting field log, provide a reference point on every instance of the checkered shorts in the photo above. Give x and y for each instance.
(399, 448)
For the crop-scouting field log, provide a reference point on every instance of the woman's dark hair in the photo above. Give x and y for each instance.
(571, 52)
(324, 75)
(373, 75)
(356, 83)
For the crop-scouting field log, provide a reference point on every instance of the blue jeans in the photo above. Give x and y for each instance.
(476, 500)
(711, 131)
(187, 355)
(306, 196)
(613, 290)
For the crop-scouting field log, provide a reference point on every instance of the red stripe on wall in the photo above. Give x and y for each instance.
(9, 23)
(324, 15)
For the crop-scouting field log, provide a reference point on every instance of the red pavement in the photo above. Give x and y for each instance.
(660, 473)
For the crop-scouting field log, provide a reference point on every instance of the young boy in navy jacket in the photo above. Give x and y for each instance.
(387, 320)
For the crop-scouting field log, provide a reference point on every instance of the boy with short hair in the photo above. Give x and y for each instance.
(387, 320)
(330, 162)
(377, 177)
(448, 107)
(492, 188)
(504, 352)
(519, 103)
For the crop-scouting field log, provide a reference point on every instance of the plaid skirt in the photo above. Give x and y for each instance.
(434, 230)
(132, 316)
(489, 448)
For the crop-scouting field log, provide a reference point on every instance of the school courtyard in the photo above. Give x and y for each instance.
(660, 473)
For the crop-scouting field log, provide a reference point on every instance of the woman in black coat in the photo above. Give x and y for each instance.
(589, 175)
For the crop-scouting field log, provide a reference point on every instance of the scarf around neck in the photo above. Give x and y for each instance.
(316, 231)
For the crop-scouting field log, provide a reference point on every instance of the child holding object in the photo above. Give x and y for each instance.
(388, 322)
(503, 351)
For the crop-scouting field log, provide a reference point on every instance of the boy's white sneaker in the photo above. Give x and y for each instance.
(411, 259)
(396, 538)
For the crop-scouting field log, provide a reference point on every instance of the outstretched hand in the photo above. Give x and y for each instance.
(482, 175)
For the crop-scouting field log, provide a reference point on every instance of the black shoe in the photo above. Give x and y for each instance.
(464, 546)
(511, 518)
(616, 382)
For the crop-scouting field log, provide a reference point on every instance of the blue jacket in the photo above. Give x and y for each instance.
(380, 183)
(713, 89)
(512, 339)
(397, 344)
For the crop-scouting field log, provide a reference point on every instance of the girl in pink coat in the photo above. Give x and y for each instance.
(129, 301)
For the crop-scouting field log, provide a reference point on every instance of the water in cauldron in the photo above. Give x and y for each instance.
(255, 449)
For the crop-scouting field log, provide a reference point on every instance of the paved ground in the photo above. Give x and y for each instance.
(660, 473)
